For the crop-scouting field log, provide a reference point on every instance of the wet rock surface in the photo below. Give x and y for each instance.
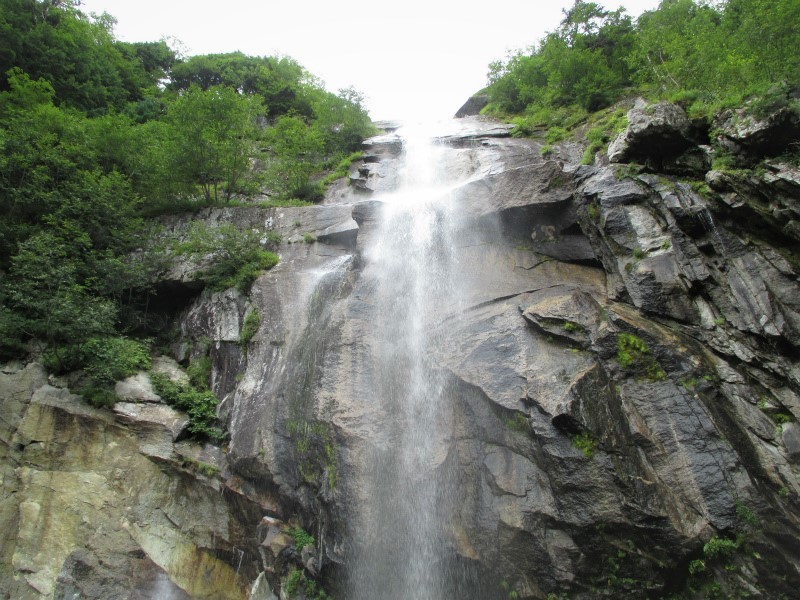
(621, 373)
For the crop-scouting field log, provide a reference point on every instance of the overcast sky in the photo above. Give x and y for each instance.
(411, 58)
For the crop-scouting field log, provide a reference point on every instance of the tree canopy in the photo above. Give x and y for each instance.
(715, 52)
(97, 134)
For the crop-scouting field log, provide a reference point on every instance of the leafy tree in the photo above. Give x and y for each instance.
(277, 80)
(295, 150)
(214, 132)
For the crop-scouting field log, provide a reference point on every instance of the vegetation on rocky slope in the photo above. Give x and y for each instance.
(96, 135)
(705, 55)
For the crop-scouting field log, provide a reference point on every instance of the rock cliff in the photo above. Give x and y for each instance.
(620, 368)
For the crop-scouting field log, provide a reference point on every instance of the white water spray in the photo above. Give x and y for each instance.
(401, 537)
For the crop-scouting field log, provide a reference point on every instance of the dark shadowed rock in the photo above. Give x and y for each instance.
(472, 107)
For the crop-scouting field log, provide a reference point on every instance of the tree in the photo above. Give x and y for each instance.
(214, 132)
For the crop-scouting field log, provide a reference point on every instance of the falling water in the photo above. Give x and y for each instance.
(402, 546)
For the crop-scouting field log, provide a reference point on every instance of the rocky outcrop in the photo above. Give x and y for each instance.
(108, 505)
(618, 368)
(473, 106)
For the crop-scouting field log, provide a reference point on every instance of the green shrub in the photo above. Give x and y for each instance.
(301, 537)
(696, 566)
(110, 359)
(585, 444)
(199, 372)
(556, 134)
(236, 256)
(293, 583)
(274, 237)
(718, 547)
(633, 353)
(249, 327)
(309, 238)
(200, 406)
(99, 396)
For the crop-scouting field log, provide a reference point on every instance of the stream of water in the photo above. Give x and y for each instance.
(402, 543)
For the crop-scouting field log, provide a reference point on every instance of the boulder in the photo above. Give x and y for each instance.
(655, 131)
(742, 131)
(472, 106)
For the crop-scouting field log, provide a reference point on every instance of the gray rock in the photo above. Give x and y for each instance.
(791, 440)
(472, 106)
(145, 415)
(770, 134)
(655, 131)
(136, 388)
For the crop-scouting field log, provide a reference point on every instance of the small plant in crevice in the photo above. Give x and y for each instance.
(274, 237)
(197, 466)
(593, 210)
(309, 238)
(297, 582)
(585, 444)
(301, 537)
(718, 547)
(199, 372)
(199, 404)
(633, 354)
(250, 326)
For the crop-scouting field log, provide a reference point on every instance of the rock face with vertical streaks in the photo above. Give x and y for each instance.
(617, 372)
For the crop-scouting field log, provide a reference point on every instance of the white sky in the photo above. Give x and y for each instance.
(411, 58)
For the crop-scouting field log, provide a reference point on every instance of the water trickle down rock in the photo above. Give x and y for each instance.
(617, 387)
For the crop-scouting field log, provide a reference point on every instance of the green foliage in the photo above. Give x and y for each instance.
(199, 404)
(556, 134)
(301, 537)
(585, 444)
(697, 566)
(703, 55)
(249, 327)
(309, 238)
(274, 237)
(747, 518)
(92, 142)
(297, 581)
(633, 353)
(293, 583)
(718, 547)
(342, 167)
(214, 131)
(199, 372)
(111, 359)
(236, 255)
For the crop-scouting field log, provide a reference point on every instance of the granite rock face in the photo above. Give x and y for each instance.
(620, 368)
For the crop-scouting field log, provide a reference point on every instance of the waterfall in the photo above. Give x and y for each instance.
(406, 501)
